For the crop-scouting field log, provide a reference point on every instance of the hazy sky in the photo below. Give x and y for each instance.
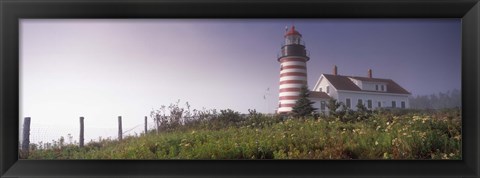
(101, 69)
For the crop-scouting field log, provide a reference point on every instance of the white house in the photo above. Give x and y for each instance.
(350, 90)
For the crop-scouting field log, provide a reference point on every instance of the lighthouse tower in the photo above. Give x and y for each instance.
(293, 70)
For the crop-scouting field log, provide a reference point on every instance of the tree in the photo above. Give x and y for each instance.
(333, 106)
(441, 100)
(361, 108)
(303, 107)
(362, 112)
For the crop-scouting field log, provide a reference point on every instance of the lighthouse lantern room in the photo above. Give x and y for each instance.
(293, 70)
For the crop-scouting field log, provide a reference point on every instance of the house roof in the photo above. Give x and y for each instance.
(317, 94)
(366, 79)
(341, 82)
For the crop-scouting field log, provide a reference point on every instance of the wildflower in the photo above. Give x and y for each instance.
(388, 123)
(385, 155)
(415, 118)
(394, 141)
(376, 143)
(444, 156)
(193, 132)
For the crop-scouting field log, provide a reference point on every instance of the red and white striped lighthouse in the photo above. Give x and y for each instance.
(293, 69)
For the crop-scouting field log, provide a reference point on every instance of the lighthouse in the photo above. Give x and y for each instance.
(293, 69)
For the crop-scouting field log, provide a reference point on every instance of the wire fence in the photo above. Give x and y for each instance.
(45, 135)
(51, 136)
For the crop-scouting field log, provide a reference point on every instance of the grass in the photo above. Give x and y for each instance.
(383, 135)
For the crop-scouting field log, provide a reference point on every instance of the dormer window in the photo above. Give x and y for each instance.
(328, 89)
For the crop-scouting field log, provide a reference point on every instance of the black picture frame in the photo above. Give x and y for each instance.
(13, 10)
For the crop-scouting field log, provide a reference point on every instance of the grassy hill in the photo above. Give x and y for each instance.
(382, 135)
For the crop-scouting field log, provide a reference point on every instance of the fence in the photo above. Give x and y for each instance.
(29, 134)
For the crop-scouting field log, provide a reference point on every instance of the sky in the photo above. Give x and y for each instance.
(105, 68)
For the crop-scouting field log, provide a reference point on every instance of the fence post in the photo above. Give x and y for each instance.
(119, 127)
(81, 131)
(146, 125)
(26, 136)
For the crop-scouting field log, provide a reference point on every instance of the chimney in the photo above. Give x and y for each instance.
(335, 70)
(369, 73)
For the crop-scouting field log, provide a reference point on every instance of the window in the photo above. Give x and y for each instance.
(376, 87)
(293, 39)
(383, 88)
(348, 102)
(379, 104)
(403, 104)
(328, 89)
(394, 104)
(369, 103)
(322, 105)
(320, 89)
(360, 101)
